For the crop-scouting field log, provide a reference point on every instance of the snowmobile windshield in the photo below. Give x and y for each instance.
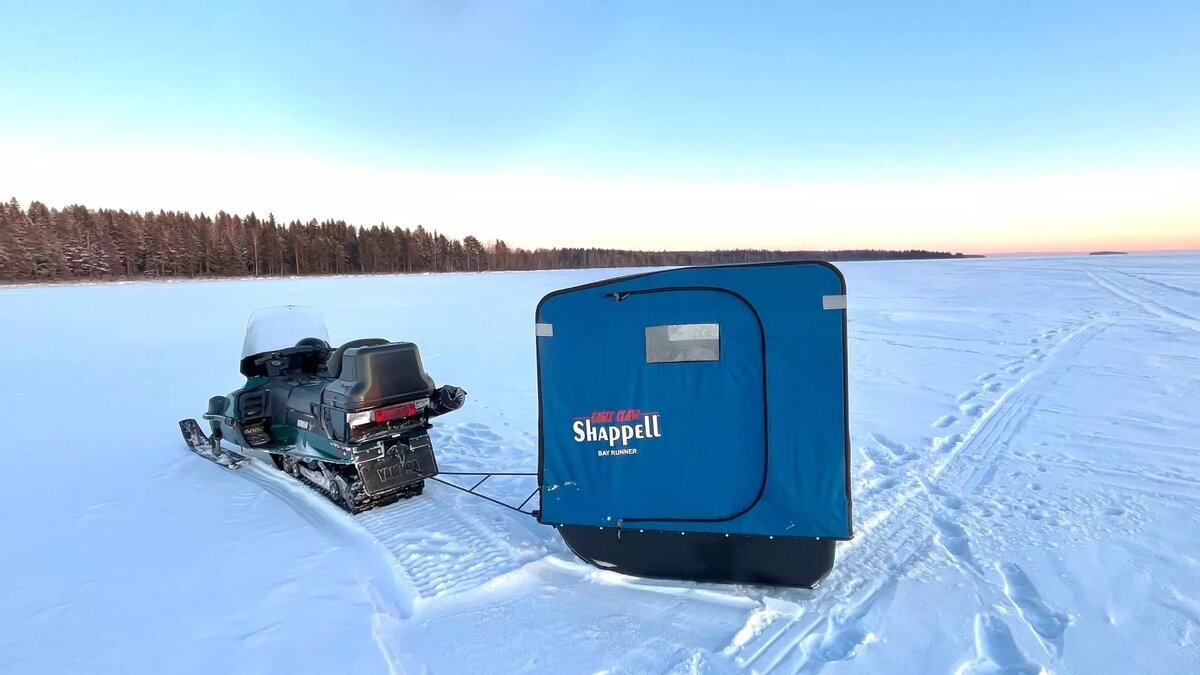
(273, 328)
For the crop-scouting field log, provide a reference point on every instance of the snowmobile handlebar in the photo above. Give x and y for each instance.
(286, 352)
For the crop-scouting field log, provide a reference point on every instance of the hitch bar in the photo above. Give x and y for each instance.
(486, 475)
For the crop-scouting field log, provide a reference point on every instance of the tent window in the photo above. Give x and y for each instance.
(683, 342)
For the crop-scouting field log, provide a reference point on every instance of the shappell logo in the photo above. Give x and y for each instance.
(616, 427)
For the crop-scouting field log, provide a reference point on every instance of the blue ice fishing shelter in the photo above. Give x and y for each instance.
(693, 421)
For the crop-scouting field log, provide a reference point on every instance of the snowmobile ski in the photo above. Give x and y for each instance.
(210, 448)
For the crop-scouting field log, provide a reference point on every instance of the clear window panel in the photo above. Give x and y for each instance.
(683, 343)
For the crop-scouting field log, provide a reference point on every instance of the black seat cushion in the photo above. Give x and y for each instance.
(333, 367)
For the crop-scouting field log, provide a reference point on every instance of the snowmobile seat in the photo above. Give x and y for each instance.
(333, 366)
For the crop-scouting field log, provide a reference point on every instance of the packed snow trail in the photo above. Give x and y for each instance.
(1026, 474)
(827, 627)
(1153, 306)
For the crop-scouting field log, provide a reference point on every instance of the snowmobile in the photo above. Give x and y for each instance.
(351, 422)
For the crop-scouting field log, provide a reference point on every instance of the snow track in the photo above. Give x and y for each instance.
(1155, 307)
(420, 547)
(827, 624)
(440, 546)
(1161, 284)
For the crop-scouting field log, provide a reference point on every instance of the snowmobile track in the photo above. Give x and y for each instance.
(439, 545)
(1174, 316)
(431, 542)
(826, 623)
(1160, 284)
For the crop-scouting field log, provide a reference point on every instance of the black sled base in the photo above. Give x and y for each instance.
(704, 556)
(209, 448)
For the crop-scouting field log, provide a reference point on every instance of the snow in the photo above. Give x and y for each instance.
(1026, 473)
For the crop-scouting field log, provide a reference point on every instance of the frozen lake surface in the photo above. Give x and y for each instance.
(1026, 474)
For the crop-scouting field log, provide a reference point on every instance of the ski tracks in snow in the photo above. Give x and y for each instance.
(1175, 316)
(1161, 284)
(827, 625)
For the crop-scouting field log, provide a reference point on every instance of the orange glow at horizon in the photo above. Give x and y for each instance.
(1130, 210)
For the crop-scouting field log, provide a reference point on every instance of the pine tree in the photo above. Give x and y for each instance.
(475, 254)
(16, 243)
(425, 253)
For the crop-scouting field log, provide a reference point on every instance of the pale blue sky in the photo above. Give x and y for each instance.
(721, 93)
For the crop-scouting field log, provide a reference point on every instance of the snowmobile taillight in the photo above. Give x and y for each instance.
(370, 423)
(394, 412)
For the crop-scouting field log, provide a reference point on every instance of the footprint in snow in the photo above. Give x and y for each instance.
(950, 501)
(882, 458)
(479, 431)
(944, 421)
(884, 483)
(1048, 624)
(967, 396)
(971, 409)
(953, 537)
(991, 387)
(899, 451)
(996, 652)
(941, 443)
(985, 377)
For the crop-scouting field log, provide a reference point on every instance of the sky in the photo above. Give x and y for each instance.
(982, 127)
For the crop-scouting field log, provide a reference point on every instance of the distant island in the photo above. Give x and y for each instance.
(43, 244)
(1107, 253)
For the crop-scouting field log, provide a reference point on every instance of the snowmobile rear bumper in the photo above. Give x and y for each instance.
(385, 469)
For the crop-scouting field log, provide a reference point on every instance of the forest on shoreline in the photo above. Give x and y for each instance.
(44, 244)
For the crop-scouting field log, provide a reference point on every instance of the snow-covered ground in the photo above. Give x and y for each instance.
(1026, 491)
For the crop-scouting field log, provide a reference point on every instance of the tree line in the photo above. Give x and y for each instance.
(43, 244)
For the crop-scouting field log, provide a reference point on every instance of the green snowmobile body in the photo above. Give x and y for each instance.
(286, 439)
(351, 421)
